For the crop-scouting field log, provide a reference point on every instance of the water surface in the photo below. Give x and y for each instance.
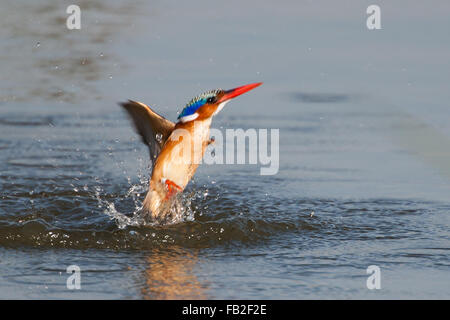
(364, 174)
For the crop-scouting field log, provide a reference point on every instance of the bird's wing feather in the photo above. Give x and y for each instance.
(153, 128)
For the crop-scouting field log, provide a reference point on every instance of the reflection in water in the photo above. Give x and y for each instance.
(170, 275)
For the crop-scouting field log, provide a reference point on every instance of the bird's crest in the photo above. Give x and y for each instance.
(188, 113)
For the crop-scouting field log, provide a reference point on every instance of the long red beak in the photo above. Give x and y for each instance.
(233, 93)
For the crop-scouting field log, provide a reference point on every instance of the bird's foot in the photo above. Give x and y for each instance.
(172, 188)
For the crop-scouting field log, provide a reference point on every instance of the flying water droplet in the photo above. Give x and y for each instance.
(159, 137)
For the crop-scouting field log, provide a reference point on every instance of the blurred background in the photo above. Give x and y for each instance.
(364, 145)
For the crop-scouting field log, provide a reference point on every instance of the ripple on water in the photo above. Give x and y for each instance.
(103, 217)
(20, 122)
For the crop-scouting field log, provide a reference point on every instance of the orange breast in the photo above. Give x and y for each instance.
(182, 152)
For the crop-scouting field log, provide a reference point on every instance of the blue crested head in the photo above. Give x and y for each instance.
(189, 111)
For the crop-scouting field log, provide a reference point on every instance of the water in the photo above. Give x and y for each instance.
(364, 174)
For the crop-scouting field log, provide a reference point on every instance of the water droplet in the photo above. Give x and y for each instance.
(38, 44)
(159, 137)
(101, 54)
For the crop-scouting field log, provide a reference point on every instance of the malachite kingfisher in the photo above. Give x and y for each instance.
(176, 149)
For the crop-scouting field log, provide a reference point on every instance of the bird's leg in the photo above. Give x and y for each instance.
(172, 188)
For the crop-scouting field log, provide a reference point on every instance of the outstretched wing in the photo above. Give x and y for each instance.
(153, 128)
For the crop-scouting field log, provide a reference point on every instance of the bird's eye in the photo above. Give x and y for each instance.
(211, 100)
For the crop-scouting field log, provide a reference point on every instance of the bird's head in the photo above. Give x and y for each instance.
(211, 102)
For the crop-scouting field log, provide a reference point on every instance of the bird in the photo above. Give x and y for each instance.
(176, 149)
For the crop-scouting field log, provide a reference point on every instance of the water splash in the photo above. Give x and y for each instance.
(180, 208)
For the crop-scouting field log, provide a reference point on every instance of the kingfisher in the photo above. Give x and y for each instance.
(176, 148)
